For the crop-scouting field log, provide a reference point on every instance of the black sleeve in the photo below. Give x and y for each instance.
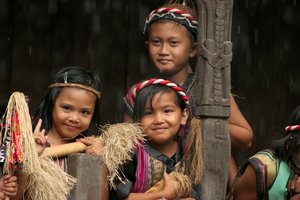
(195, 192)
(123, 189)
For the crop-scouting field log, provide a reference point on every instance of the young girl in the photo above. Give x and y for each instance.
(161, 108)
(274, 173)
(171, 33)
(70, 109)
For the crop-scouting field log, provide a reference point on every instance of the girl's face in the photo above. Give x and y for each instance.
(170, 48)
(161, 123)
(72, 112)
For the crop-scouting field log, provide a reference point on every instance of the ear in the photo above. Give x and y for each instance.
(194, 50)
(146, 44)
(184, 116)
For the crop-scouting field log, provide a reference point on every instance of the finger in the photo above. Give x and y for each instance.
(289, 185)
(166, 176)
(38, 126)
(41, 138)
(293, 185)
(10, 194)
(9, 179)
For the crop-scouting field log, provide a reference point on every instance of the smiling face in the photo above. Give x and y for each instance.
(162, 118)
(170, 48)
(72, 113)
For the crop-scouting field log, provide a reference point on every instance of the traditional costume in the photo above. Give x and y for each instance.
(147, 165)
(272, 173)
(46, 181)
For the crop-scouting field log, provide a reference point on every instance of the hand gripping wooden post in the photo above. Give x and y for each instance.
(86, 168)
(212, 93)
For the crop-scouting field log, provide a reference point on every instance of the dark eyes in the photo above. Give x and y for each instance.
(85, 112)
(148, 112)
(172, 43)
(155, 42)
(68, 108)
(168, 110)
(65, 107)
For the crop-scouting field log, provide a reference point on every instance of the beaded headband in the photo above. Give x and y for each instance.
(155, 81)
(292, 128)
(174, 14)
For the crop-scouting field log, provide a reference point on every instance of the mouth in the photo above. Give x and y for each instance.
(71, 127)
(163, 61)
(160, 129)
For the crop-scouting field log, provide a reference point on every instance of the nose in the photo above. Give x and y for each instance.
(74, 118)
(163, 49)
(158, 119)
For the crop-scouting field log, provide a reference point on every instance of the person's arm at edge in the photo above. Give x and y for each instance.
(245, 188)
(240, 131)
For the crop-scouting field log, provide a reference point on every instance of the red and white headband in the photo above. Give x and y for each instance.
(174, 14)
(292, 128)
(155, 81)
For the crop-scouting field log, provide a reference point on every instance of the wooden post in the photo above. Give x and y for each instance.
(87, 169)
(213, 93)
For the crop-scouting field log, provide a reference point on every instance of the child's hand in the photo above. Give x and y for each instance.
(8, 186)
(94, 146)
(170, 187)
(294, 187)
(39, 137)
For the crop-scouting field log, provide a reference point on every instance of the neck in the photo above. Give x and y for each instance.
(168, 149)
(179, 77)
(54, 139)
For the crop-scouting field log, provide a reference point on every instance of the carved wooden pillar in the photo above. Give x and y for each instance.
(213, 93)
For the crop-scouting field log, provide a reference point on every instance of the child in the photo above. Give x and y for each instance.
(274, 173)
(171, 33)
(70, 109)
(161, 108)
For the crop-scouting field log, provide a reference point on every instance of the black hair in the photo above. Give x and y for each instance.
(75, 74)
(290, 144)
(148, 93)
(192, 36)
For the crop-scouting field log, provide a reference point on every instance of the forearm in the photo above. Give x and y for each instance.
(240, 131)
(240, 137)
(146, 196)
(22, 183)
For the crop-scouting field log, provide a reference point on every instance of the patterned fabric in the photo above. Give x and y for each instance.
(151, 166)
(266, 167)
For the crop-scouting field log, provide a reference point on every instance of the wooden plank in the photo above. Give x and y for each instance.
(87, 169)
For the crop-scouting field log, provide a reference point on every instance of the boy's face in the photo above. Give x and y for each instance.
(170, 48)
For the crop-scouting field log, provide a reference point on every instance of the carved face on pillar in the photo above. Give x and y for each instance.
(170, 48)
